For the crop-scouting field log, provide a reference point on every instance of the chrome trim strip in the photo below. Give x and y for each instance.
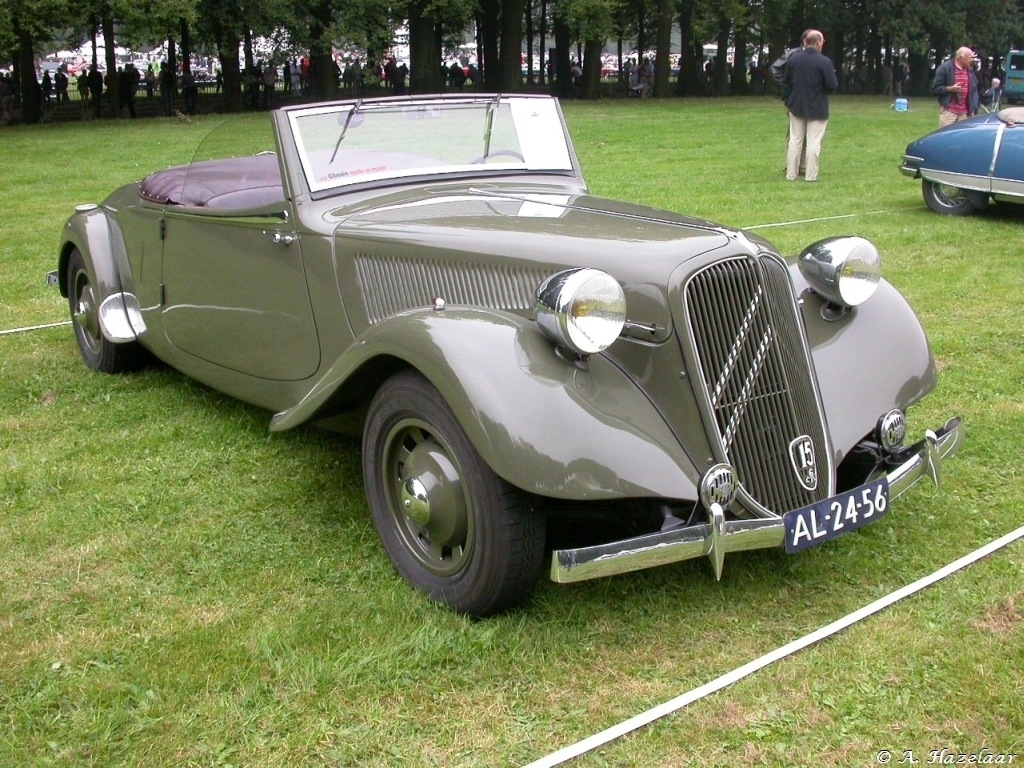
(958, 180)
(1013, 187)
(717, 536)
(995, 148)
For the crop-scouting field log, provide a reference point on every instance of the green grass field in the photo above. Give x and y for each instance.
(179, 587)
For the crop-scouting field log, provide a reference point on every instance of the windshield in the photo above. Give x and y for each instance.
(350, 143)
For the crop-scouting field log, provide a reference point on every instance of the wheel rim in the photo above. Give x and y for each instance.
(85, 314)
(949, 196)
(427, 498)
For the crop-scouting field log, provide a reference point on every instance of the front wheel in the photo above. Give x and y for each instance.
(451, 526)
(950, 200)
(98, 352)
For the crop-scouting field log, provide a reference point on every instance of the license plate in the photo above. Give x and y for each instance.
(830, 518)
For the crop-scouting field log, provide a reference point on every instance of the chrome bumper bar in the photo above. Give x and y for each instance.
(718, 536)
(911, 166)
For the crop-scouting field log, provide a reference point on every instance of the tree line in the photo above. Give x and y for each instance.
(866, 36)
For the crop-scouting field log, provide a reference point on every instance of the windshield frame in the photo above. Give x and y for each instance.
(352, 144)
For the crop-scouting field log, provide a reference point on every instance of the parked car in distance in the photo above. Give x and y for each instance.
(965, 165)
(432, 274)
(1013, 83)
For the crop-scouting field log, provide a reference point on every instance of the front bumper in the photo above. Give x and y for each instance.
(718, 536)
(911, 166)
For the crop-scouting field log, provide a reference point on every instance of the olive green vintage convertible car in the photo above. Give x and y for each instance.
(520, 357)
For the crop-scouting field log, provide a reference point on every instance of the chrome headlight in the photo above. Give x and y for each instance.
(844, 270)
(581, 309)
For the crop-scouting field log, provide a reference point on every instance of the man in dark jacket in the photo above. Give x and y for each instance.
(956, 86)
(95, 82)
(810, 77)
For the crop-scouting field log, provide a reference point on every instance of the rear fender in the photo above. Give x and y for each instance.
(544, 424)
(98, 238)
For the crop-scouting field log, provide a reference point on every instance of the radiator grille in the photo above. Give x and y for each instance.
(391, 285)
(759, 394)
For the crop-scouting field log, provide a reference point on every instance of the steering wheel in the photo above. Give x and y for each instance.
(498, 153)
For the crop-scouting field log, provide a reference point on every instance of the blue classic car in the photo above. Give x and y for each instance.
(964, 165)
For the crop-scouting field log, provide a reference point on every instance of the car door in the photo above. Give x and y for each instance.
(234, 291)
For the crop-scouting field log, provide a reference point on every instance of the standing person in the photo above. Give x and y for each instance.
(168, 85)
(82, 81)
(810, 77)
(126, 91)
(189, 89)
(6, 99)
(646, 76)
(899, 76)
(269, 83)
(456, 76)
(778, 73)
(956, 87)
(401, 73)
(576, 72)
(60, 84)
(95, 82)
(304, 75)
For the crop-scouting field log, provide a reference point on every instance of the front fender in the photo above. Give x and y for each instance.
(542, 423)
(872, 359)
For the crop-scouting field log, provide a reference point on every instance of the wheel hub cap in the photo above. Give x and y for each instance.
(431, 495)
(415, 501)
(85, 316)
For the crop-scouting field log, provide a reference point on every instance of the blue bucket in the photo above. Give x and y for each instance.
(900, 105)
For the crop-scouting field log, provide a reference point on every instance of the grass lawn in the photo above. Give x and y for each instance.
(179, 587)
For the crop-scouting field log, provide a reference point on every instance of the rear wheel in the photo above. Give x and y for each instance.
(451, 526)
(98, 352)
(952, 201)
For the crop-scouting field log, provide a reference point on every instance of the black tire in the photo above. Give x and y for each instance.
(98, 352)
(451, 526)
(950, 200)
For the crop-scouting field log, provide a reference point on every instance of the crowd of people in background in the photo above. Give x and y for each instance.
(267, 83)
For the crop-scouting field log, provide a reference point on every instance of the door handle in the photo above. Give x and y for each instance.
(281, 238)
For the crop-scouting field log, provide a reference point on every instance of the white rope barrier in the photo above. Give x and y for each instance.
(645, 718)
(11, 331)
(825, 218)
